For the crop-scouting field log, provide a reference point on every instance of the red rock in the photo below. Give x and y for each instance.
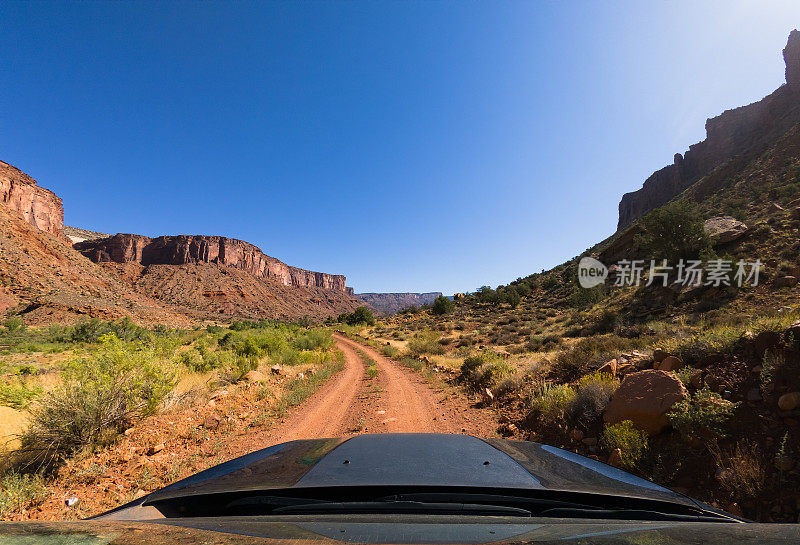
(645, 398)
(183, 249)
(659, 355)
(766, 340)
(724, 229)
(254, 376)
(609, 368)
(211, 422)
(576, 434)
(155, 449)
(696, 379)
(670, 363)
(38, 206)
(785, 282)
(615, 458)
(789, 401)
(732, 133)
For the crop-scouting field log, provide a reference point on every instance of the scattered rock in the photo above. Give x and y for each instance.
(645, 398)
(211, 404)
(589, 441)
(212, 422)
(765, 340)
(128, 431)
(488, 396)
(735, 510)
(615, 458)
(789, 401)
(670, 363)
(609, 368)
(659, 355)
(277, 370)
(139, 494)
(72, 501)
(696, 379)
(576, 434)
(785, 282)
(754, 394)
(219, 394)
(724, 229)
(301, 376)
(155, 449)
(254, 376)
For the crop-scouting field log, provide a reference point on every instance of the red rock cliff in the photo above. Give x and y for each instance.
(745, 130)
(181, 249)
(39, 206)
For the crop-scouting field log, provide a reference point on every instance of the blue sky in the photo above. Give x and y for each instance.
(412, 146)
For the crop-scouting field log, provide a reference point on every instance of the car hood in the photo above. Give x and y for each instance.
(439, 460)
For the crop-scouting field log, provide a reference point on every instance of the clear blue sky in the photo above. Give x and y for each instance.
(413, 146)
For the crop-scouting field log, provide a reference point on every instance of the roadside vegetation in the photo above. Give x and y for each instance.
(77, 389)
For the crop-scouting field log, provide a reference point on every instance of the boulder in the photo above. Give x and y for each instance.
(785, 282)
(212, 422)
(696, 379)
(766, 340)
(724, 229)
(659, 355)
(789, 401)
(277, 370)
(645, 398)
(609, 368)
(254, 376)
(615, 458)
(670, 363)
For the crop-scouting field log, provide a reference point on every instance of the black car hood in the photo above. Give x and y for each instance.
(415, 460)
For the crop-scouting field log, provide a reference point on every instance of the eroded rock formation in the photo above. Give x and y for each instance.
(745, 130)
(38, 206)
(183, 249)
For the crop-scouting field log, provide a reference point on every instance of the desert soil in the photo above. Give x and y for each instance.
(171, 446)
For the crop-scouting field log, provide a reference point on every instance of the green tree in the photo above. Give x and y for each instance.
(443, 305)
(672, 232)
(361, 315)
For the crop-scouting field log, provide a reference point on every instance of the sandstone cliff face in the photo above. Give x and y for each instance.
(392, 303)
(745, 130)
(38, 206)
(185, 249)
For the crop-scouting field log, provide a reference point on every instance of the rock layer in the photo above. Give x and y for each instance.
(745, 130)
(185, 249)
(38, 206)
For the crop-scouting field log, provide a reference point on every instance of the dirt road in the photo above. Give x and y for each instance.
(396, 400)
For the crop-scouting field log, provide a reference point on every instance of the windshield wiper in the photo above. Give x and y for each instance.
(628, 514)
(401, 507)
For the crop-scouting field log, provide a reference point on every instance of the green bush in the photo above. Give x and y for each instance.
(425, 342)
(12, 326)
(443, 305)
(631, 442)
(17, 396)
(360, 316)
(594, 394)
(18, 492)
(703, 416)
(313, 339)
(99, 396)
(672, 232)
(551, 403)
(389, 351)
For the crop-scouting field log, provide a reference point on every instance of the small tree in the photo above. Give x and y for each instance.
(360, 316)
(673, 232)
(443, 305)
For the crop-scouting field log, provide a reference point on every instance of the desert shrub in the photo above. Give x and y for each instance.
(471, 365)
(244, 364)
(443, 305)
(291, 357)
(99, 395)
(592, 398)
(539, 343)
(551, 403)
(12, 326)
(425, 342)
(191, 359)
(249, 349)
(19, 491)
(492, 372)
(631, 442)
(743, 471)
(228, 340)
(568, 365)
(214, 329)
(17, 396)
(672, 232)
(360, 316)
(389, 351)
(703, 416)
(313, 339)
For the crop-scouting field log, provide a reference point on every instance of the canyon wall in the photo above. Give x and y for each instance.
(182, 249)
(38, 206)
(392, 303)
(745, 130)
